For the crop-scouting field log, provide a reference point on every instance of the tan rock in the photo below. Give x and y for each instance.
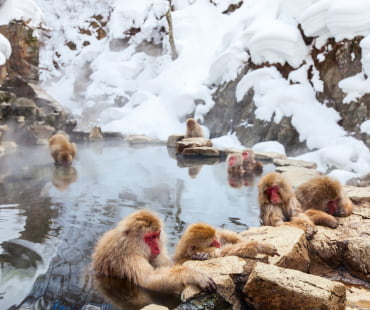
(220, 270)
(8, 146)
(192, 142)
(357, 257)
(173, 139)
(201, 151)
(357, 193)
(290, 242)
(271, 287)
(142, 140)
(297, 175)
(42, 133)
(357, 298)
(294, 162)
(268, 155)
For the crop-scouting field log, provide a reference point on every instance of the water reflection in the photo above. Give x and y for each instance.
(50, 218)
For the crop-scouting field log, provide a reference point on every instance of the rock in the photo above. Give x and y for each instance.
(192, 142)
(297, 175)
(7, 96)
(206, 302)
(201, 151)
(21, 119)
(268, 155)
(362, 181)
(345, 246)
(294, 162)
(220, 270)
(154, 307)
(95, 134)
(290, 241)
(272, 287)
(357, 298)
(25, 107)
(8, 146)
(142, 140)
(4, 128)
(357, 193)
(173, 139)
(41, 133)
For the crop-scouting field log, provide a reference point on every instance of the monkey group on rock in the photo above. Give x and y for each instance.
(135, 249)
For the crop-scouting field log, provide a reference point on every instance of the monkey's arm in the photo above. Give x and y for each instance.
(248, 249)
(171, 279)
(322, 218)
(271, 215)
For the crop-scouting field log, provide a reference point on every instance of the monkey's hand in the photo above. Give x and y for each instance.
(266, 248)
(203, 281)
(200, 256)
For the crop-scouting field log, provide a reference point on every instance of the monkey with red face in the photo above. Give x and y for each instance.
(62, 151)
(201, 241)
(135, 250)
(278, 204)
(326, 194)
(234, 162)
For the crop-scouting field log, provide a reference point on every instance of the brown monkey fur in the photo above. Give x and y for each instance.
(282, 206)
(250, 165)
(234, 162)
(202, 241)
(326, 194)
(62, 151)
(193, 129)
(123, 252)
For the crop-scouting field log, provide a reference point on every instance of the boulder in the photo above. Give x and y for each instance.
(201, 151)
(173, 139)
(154, 307)
(138, 139)
(268, 155)
(192, 142)
(220, 270)
(272, 287)
(294, 162)
(41, 133)
(25, 107)
(290, 242)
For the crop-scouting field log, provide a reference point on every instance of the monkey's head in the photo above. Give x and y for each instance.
(190, 123)
(64, 158)
(143, 226)
(234, 159)
(274, 189)
(200, 236)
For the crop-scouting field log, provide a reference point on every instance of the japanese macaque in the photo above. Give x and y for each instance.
(193, 129)
(62, 151)
(250, 165)
(95, 134)
(325, 194)
(135, 250)
(278, 204)
(63, 177)
(201, 241)
(234, 162)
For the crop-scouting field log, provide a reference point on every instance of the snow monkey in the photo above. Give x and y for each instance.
(250, 165)
(201, 241)
(62, 151)
(278, 204)
(193, 129)
(325, 194)
(135, 250)
(234, 163)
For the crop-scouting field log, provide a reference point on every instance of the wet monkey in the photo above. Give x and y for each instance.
(62, 151)
(250, 165)
(234, 162)
(193, 129)
(202, 241)
(326, 194)
(135, 250)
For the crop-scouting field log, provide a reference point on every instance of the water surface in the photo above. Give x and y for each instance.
(50, 218)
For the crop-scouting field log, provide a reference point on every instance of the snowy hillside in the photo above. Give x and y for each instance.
(96, 63)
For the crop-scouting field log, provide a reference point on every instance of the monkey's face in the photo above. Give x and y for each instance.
(152, 240)
(232, 161)
(190, 124)
(64, 158)
(245, 155)
(273, 194)
(333, 207)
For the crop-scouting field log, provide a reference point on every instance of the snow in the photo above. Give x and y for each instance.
(120, 85)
